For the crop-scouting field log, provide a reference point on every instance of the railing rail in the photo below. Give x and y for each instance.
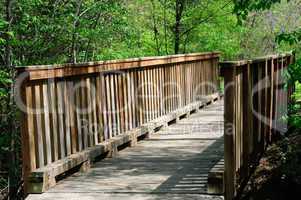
(255, 99)
(70, 108)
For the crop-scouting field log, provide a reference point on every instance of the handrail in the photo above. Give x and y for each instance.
(39, 72)
(255, 99)
(73, 112)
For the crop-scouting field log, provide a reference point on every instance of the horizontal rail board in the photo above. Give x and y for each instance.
(239, 63)
(59, 71)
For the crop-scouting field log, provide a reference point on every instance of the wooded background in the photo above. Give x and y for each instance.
(60, 31)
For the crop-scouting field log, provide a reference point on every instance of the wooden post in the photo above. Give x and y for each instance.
(247, 117)
(229, 132)
(28, 161)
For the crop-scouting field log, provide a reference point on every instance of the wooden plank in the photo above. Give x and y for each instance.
(247, 115)
(84, 113)
(72, 116)
(89, 107)
(169, 89)
(121, 103)
(250, 115)
(104, 107)
(266, 100)
(67, 118)
(38, 125)
(156, 92)
(260, 107)
(133, 99)
(61, 119)
(94, 111)
(136, 97)
(255, 107)
(130, 101)
(275, 100)
(99, 105)
(238, 112)
(126, 102)
(114, 105)
(151, 93)
(139, 97)
(259, 138)
(78, 115)
(161, 92)
(47, 124)
(109, 108)
(144, 101)
(272, 108)
(28, 138)
(54, 119)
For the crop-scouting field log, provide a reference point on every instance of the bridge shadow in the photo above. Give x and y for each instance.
(192, 177)
(150, 171)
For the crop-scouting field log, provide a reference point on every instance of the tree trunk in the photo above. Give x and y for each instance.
(8, 50)
(12, 172)
(155, 28)
(177, 31)
(13, 178)
(165, 28)
(93, 26)
(74, 35)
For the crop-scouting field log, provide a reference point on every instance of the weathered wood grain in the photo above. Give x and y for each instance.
(58, 71)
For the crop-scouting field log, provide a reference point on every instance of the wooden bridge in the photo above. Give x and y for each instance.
(148, 128)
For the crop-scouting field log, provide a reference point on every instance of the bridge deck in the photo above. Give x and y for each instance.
(172, 164)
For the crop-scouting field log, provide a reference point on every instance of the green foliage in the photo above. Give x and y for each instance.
(3, 25)
(5, 121)
(54, 31)
(242, 8)
(5, 82)
(291, 38)
(294, 71)
(46, 32)
(66, 32)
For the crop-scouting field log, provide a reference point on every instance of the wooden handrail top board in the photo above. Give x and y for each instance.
(40, 72)
(239, 63)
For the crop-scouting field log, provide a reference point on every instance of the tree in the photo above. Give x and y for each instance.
(181, 18)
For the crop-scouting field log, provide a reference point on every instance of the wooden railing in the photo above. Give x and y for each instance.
(73, 113)
(255, 99)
